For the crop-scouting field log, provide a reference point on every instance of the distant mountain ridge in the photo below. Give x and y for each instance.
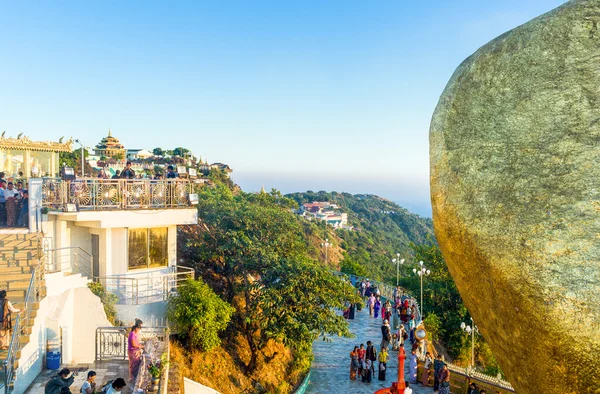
(384, 229)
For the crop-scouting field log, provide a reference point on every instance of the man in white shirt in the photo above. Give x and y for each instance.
(10, 191)
(407, 390)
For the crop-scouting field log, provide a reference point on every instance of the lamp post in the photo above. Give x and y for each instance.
(326, 245)
(398, 261)
(470, 329)
(421, 272)
(82, 159)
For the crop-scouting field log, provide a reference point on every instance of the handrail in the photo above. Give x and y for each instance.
(110, 194)
(79, 257)
(151, 287)
(21, 323)
(9, 362)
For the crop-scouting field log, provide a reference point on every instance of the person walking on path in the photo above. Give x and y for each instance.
(363, 288)
(426, 369)
(371, 354)
(6, 309)
(367, 373)
(361, 357)
(383, 358)
(354, 364)
(386, 313)
(437, 368)
(413, 367)
(444, 380)
(377, 307)
(371, 303)
(386, 335)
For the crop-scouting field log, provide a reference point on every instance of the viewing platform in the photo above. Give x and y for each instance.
(94, 194)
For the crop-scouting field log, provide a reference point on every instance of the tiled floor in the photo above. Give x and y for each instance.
(330, 372)
(105, 371)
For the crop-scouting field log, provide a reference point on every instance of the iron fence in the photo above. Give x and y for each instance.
(110, 194)
(111, 342)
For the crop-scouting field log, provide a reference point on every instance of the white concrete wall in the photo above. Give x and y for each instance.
(191, 387)
(69, 310)
(118, 252)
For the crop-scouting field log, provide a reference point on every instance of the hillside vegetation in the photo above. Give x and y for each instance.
(383, 229)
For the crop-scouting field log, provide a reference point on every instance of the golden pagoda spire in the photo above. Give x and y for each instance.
(109, 134)
(262, 190)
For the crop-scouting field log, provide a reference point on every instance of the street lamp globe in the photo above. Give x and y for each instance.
(421, 263)
(428, 272)
(463, 325)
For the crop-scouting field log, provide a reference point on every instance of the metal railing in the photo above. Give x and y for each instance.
(109, 194)
(147, 287)
(21, 325)
(111, 342)
(71, 260)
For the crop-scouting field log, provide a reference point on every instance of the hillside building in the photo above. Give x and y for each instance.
(110, 146)
(117, 234)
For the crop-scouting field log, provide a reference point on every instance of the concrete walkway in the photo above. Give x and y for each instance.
(330, 372)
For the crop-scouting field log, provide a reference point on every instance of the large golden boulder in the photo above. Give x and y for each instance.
(515, 189)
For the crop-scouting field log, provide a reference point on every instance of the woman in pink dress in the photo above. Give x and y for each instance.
(134, 351)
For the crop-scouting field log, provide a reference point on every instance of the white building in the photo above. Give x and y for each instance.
(121, 234)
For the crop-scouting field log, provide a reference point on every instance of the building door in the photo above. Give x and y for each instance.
(96, 254)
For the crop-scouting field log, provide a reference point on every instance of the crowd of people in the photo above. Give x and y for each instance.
(362, 360)
(14, 204)
(129, 173)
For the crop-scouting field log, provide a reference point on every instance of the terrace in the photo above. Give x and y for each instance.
(93, 194)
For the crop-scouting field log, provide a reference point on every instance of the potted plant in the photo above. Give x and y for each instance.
(45, 211)
(155, 371)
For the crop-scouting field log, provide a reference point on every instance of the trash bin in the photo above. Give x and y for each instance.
(53, 360)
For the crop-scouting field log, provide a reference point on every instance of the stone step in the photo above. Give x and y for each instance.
(15, 277)
(15, 270)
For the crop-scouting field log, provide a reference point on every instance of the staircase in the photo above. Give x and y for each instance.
(21, 276)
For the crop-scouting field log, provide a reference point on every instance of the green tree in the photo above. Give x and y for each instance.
(181, 152)
(352, 267)
(252, 248)
(73, 160)
(158, 152)
(197, 313)
(118, 156)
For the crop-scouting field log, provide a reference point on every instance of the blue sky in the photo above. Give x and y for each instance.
(296, 95)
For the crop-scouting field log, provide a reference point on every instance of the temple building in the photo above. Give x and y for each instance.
(22, 158)
(110, 146)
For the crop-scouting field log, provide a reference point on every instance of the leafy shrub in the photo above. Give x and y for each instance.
(108, 301)
(352, 267)
(198, 314)
(433, 325)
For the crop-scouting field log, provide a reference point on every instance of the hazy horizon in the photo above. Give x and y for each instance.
(416, 202)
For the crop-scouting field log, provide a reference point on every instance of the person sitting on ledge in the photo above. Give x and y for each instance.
(60, 383)
(114, 387)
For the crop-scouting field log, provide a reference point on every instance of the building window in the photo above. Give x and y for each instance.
(148, 247)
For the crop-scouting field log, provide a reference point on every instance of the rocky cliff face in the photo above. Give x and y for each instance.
(515, 189)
